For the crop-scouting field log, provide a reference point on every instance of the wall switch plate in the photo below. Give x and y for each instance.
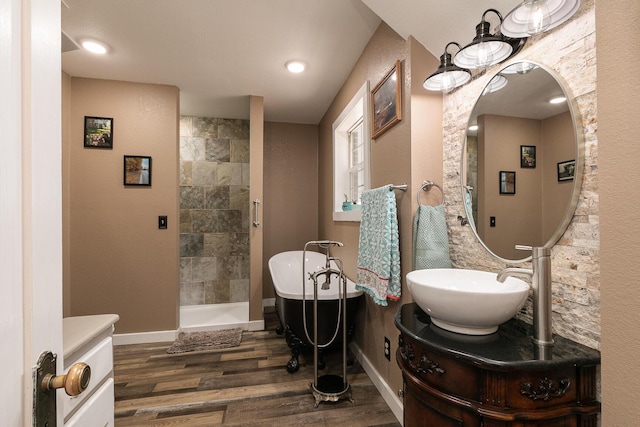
(387, 348)
(492, 221)
(162, 222)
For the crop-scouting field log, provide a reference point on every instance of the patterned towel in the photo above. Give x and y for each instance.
(379, 246)
(430, 240)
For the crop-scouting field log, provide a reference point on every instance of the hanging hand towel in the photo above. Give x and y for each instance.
(430, 240)
(379, 246)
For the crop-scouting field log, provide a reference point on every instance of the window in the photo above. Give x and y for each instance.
(351, 155)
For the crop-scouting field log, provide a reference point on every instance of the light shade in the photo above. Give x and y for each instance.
(486, 49)
(448, 76)
(497, 82)
(536, 16)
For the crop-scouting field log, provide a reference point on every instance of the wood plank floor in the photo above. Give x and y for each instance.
(241, 386)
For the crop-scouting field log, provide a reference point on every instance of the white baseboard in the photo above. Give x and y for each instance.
(389, 396)
(198, 318)
(144, 337)
(268, 302)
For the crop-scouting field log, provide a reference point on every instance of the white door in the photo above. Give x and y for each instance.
(30, 199)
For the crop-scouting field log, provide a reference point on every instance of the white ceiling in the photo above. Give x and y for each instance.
(218, 52)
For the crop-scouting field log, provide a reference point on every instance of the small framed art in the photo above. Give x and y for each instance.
(527, 156)
(137, 170)
(566, 170)
(386, 102)
(98, 132)
(507, 182)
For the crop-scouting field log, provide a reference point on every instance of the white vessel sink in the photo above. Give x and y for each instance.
(466, 301)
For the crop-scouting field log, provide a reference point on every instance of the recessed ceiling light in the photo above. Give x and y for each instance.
(557, 100)
(94, 46)
(473, 127)
(296, 66)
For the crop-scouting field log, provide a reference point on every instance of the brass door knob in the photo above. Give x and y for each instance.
(74, 382)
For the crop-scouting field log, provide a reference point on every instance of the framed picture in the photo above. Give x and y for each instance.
(507, 182)
(527, 156)
(98, 132)
(386, 101)
(137, 170)
(566, 170)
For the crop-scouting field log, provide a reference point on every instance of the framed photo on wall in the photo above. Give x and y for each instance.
(507, 182)
(98, 132)
(566, 170)
(386, 102)
(527, 156)
(137, 170)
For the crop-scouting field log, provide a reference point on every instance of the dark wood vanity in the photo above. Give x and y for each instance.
(492, 380)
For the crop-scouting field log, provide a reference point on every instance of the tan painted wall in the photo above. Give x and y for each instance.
(256, 234)
(391, 162)
(618, 129)
(118, 260)
(518, 216)
(290, 191)
(555, 193)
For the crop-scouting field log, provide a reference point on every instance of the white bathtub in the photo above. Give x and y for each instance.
(286, 272)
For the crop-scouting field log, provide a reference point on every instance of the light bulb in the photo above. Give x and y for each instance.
(447, 82)
(484, 56)
(537, 16)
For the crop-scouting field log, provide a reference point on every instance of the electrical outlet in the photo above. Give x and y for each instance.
(387, 348)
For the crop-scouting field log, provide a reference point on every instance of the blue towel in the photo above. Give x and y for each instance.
(469, 208)
(430, 240)
(379, 246)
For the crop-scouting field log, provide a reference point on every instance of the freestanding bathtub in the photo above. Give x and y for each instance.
(286, 273)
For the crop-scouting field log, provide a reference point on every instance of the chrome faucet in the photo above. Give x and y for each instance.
(540, 274)
(327, 271)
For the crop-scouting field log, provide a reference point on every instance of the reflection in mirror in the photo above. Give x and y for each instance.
(519, 130)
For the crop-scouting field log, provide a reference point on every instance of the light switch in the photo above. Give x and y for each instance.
(492, 221)
(162, 222)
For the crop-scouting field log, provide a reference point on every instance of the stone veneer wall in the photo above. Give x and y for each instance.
(569, 50)
(214, 210)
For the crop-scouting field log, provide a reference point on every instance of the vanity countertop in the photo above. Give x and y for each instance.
(508, 348)
(79, 330)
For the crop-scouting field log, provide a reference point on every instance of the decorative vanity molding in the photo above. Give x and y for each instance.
(492, 380)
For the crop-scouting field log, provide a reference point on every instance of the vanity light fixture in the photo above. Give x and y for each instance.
(473, 128)
(94, 46)
(519, 68)
(448, 75)
(497, 82)
(296, 67)
(486, 49)
(536, 16)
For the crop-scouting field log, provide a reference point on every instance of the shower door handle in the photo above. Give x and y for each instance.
(256, 203)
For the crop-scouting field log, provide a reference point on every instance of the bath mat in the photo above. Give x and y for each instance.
(209, 340)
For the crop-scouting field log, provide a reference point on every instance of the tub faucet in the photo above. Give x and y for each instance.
(540, 274)
(327, 271)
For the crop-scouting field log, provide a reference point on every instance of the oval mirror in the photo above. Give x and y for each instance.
(522, 162)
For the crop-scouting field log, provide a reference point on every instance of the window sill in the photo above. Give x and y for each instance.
(353, 216)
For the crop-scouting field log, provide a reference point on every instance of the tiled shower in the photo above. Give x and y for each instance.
(214, 211)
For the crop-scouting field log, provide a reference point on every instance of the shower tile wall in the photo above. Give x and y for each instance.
(214, 210)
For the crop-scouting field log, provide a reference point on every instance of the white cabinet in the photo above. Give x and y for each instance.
(89, 339)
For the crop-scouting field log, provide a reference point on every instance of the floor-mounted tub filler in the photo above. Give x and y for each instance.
(317, 312)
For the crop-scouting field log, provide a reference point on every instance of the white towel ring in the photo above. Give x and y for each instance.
(426, 186)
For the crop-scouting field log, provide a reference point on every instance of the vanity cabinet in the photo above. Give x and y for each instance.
(493, 380)
(89, 339)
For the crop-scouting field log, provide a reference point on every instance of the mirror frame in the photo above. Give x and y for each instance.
(576, 119)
